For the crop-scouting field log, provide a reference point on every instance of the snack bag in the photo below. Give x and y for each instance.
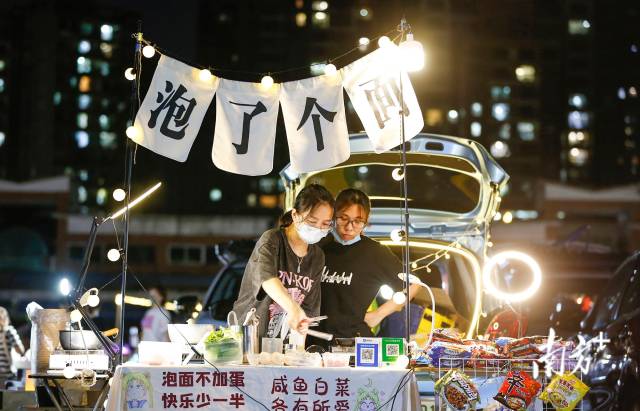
(517, 391)
(448, 354)
(448, 335)
(564, 391)
(457, 391)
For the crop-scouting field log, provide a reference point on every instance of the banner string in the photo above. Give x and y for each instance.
(164, 52)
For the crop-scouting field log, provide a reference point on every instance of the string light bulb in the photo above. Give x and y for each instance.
(205, 75)
(69, 372)
(148, 51)
(330, 69)
(131, 132)
(397, 235)
(113, 255)
(412, 54)
(119, 194)
(93, 300)
(75, 316)
(364, 41)
(397, 174)
(384, 41)
(399, 298)
(266, 82)
(386, 292)
(130, 74)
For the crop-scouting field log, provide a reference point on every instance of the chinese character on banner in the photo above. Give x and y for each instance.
(373, 85)
(321, 387)
(171, 114)
(279, 405)
(342, 405)
(245, 133)
(203, 400)
(185, 379)
(186, 400)
(314, 117)
(300, 405)
(203, 378)
(219, 379)
(279, 385)
(169, 400)
(342, 387)
(300, 386)
(236, 400)
(321, 405)
(236, 378)
(169, 379)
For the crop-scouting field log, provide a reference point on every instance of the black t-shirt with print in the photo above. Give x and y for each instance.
(273, 257)
(351, 279)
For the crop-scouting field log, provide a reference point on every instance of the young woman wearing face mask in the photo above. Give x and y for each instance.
(355, 269)
(284, 271)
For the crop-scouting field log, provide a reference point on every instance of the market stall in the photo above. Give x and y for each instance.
(261, 387)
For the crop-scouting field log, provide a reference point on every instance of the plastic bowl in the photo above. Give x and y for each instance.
(193, 333)
(336, 359)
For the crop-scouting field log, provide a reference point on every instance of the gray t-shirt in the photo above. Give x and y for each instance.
(273, 257)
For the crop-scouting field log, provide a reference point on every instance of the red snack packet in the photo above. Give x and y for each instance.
(518, 390)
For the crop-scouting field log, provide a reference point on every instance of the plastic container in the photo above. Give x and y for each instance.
(188, 333)
(160, 353)
(336, 359)
(226, 352)
(272, 345)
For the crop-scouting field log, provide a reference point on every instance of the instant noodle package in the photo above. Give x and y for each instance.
(517, 391)
(564, 391)
(457, 391)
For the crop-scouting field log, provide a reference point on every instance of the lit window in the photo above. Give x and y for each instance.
(84, 47)
(628, 130)
(73, 81)
(622, 94)
(104, 103)
(85, 84)
(301, 19)
(101, 196)
(500, 111)
(476, 129)
(505, 131)
(83, 175)
(578, 156)
(86, 28)
(83, 65)
(104, 121)
(82, 120)
(267, 185)
(577, 137)
(84, 100)
(476, 109)
(500, 149)
(578, 119)
(579, 27)
(633, 48)
(82, 138)
(526, 131)
(252, 200)
(578, 100)
(526, 73)
(108, 140)
(452, 116)
(106, 32)
(215, 195)
(299, 4)
(633, 92)
(268, 201)
(1, 84)
(57, 97)
(434, 117)
(320, 19)
(319, 5)
(365, 13)
(82, 194)
(106, 49)
(3, 137)
(500, 92)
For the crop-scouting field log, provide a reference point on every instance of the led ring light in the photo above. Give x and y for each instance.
(491, 288)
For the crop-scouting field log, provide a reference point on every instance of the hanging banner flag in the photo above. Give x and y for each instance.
(171, 114)
(373, 85)
(313, 111)
(245, 134)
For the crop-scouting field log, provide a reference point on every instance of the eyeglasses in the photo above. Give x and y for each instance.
(343, 220)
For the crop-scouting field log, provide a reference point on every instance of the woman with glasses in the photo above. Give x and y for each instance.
(284, 271)
(355, 268)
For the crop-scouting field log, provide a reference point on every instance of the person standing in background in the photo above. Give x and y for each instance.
(9, 340)
(156, 320)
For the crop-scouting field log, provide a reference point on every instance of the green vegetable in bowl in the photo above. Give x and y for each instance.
(224, 346)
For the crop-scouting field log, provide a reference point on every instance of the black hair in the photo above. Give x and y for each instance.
(308, 199)
(353, 196)
(161, 290)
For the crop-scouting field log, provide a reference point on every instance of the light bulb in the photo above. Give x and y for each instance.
(75, 316)
(330, 69)
(386, 292)
(129, 74)
(205, 75)
(93, 300)
(399, 298)
(447, 256)
(119, 194)
(69, 372)
(414, 265)
(148, 51)
(412, 54)
(384, 41)
(266, 82)
(397, 174)
(65, 287)
(131, 132)
(363, 41)
(397, 235)
(113, 254)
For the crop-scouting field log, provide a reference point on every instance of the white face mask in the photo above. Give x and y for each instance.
(344, 242)
(310, 234)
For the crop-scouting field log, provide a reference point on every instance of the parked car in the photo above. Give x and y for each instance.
(454, 191)
(614, 373)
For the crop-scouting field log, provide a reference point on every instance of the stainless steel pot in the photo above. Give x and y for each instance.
(79, 340)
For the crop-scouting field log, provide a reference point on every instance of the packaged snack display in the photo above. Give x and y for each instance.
(457, 391)
(526, 347)
(518, 390)
(564, 391)
(447, 354)
(448, 335)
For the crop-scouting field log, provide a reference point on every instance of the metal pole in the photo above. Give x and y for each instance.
(130, 147)
(406, 255)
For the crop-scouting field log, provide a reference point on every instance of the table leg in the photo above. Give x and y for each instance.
(52, 396)
(63, 395)
(101, 398)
